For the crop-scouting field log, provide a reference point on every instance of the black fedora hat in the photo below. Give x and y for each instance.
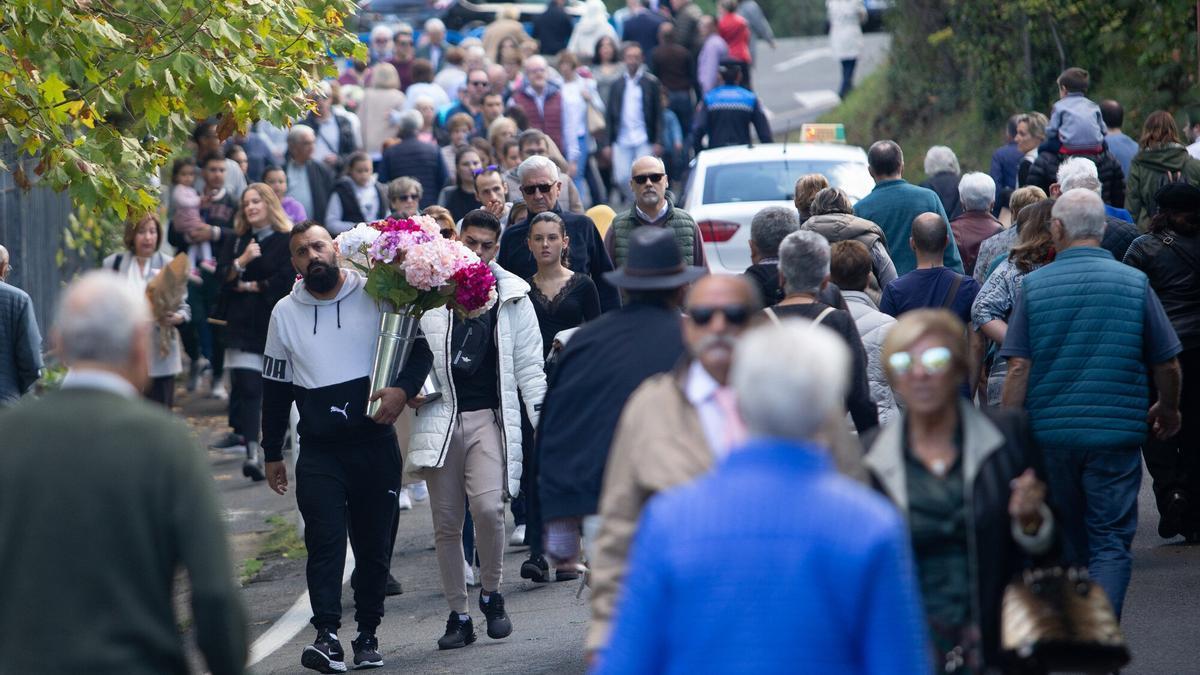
(654, 263)
(1178, 197)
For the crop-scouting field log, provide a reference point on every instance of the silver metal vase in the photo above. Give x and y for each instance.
(397, 332)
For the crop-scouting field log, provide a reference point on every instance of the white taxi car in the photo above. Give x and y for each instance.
(727, 186)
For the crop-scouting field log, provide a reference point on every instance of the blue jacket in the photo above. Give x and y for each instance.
(20, 344)
(1087, 382)
(893, 205)
(840, 596)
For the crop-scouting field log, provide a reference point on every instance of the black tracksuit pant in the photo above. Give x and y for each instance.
(1174, 463)
(350, 488)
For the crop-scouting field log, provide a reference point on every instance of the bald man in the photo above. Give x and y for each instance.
(931, 284)
(20, 341)
(678, 417)
(648, 183)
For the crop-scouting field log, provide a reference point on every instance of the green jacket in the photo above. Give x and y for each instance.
(1148, 173)
(103, 499)
(687, 235)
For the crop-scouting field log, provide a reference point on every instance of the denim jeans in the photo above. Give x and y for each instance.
(1094, 496)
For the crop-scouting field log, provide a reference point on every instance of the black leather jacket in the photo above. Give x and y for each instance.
(1174, 271)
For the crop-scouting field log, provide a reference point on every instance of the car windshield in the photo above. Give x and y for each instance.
(776, 181)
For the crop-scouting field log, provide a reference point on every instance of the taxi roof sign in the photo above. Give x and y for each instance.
(823, 133)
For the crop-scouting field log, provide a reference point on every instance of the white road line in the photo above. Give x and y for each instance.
(817, 98)
(801, 59)
(293, 621)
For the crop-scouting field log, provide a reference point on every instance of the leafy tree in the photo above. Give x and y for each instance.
(102, 92)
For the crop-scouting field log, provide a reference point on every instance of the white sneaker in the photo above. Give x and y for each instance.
(218, 391)
(518, 536)
(403, 501)
(469, 574)
(418, 491)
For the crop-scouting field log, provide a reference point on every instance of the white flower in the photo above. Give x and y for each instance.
(353, 243)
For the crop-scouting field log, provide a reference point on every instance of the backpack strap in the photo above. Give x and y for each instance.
(952, 295)
(821, 317)
(1168, 239)
(772, 316)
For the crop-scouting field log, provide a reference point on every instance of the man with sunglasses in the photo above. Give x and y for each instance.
(403, 55)
(652, 208)
(541, 184)
(470, 101)
(683, 417)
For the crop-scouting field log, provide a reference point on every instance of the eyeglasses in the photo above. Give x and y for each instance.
(935, 361)
(408, 198)
(480, 84)
(735, 315)
(543, 188)
(652, 177)
(487, 169)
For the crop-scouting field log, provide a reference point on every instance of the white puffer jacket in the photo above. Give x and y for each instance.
(873, 326)
(519, 344)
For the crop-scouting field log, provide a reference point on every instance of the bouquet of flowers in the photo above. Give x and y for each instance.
(411, 268)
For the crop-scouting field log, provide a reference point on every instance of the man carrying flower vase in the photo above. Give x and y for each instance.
(469, 439)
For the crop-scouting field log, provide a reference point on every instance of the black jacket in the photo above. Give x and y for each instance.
(765, 277)
(596, 374)
(651, 107)
(552, 29)
(642, 28)
(945, 184)
(1118, 235)
(248, 314)
(419, 160)
(1002, 442)
(320, 184)
(351, 209)
(587, 254)
(1044, 173)
(1174, 272)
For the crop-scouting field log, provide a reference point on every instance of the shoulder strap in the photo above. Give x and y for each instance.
(772, 316)
(953, 293)
(1168, 240)
(116, 265)
(821, 317)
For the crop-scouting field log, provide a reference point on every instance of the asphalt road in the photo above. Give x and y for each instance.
(799, 79)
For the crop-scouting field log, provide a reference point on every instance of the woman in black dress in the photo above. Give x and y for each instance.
(459, 198)
(562, 299)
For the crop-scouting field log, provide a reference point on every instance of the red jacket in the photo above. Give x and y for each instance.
(736, 32)
(550, 120)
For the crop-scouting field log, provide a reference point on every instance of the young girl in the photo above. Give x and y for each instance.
(184, 213)
(276, 178)
(459, 197)
(356, 198)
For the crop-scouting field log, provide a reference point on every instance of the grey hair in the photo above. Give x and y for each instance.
(537, 163)
(1081, 212)
(940, 158)
(435, 24)
(381, 29)
(769, 227)
(300, 130)
(411, 122)
(789, 397)
(804, 261)
(830, 200)
(977, 191)
(1078, 172)
(98, 317)
(534, 60)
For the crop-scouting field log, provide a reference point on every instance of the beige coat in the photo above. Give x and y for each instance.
(659, 443)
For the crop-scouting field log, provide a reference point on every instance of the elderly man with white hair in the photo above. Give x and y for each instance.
(20, 341)
(542, 102)
(941, 165)
(681, 566)
(309, 182)
(123, 484)
(381, 47)
(540, 185)
(1119, 230)
(433, 43)
(1086, 339)
(414, 158)
(977, 195)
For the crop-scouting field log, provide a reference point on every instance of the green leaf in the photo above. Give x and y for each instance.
(53, 89)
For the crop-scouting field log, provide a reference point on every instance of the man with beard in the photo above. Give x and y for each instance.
(683, 418)
(319, 354)
(648, 182)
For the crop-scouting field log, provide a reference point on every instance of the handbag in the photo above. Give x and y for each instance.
(595, 120)
(1056, 619)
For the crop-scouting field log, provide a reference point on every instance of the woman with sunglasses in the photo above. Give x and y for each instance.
(970, 484)
(460, 198)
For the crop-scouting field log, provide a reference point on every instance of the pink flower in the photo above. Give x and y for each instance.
(431, 265)
(474, 288)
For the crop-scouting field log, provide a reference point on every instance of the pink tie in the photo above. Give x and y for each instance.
(734, 429)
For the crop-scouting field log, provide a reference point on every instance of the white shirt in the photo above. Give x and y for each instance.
(633, 116)
(98, 379)
(662, 213)
(327, 139)
(701, 392)
(1194, 149)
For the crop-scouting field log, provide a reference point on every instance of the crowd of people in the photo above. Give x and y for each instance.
(960, 397)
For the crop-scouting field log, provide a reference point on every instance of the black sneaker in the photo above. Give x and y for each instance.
(459, 633)
(366, 651)
(498, 623)
(325, 654)
(1173, 514)
(228, 441)
(253, 471)
(535, 569)
(392, 587)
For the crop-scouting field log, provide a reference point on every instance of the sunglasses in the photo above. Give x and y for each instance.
(652, 177)
(935, 361)
(486, 169)
(480, 84)
(735, 315)
(543, 188)
(406, 198)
